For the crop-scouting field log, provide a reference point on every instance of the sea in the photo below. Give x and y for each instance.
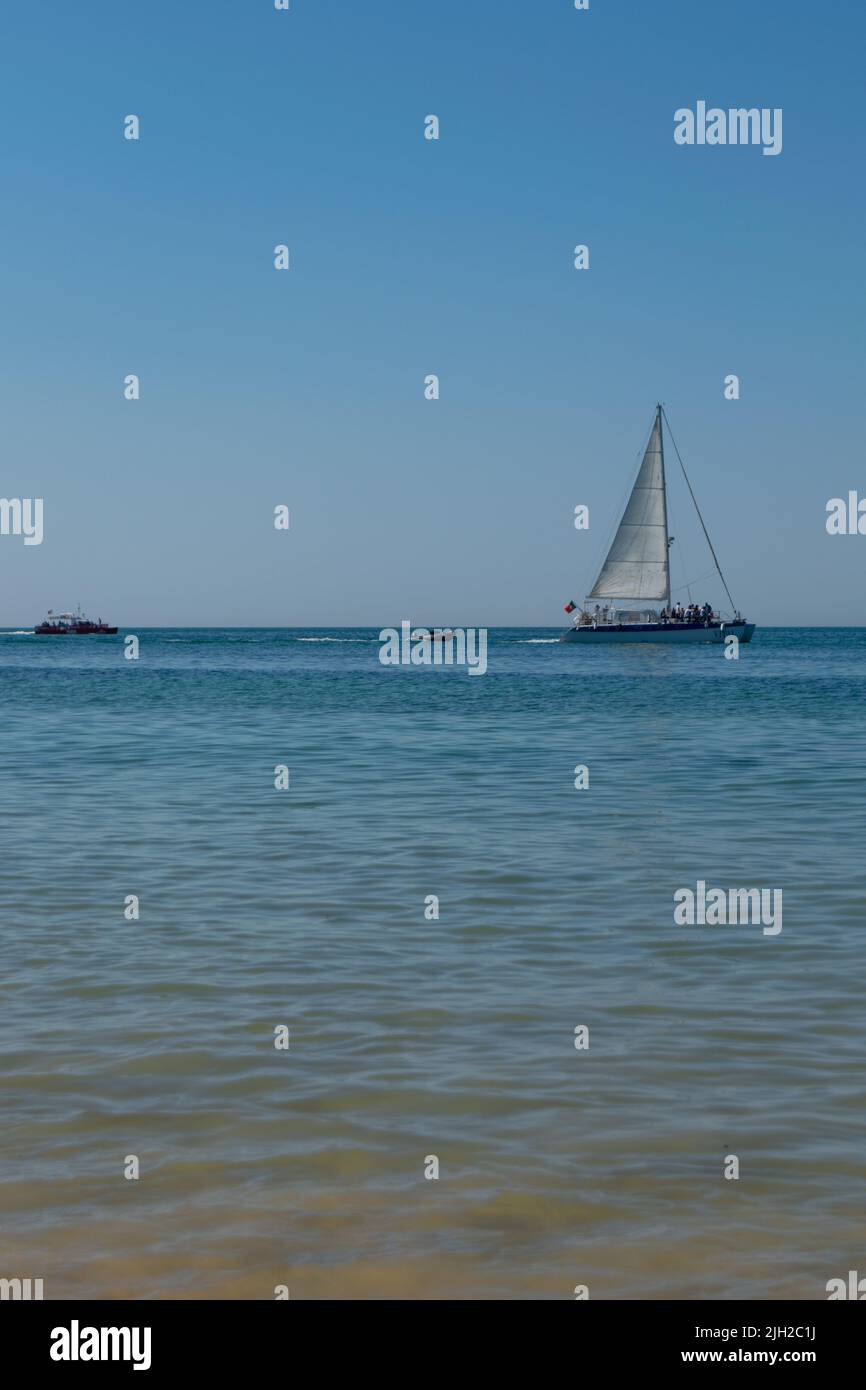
(337, 980)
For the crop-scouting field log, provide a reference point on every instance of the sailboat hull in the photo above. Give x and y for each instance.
(666, 633)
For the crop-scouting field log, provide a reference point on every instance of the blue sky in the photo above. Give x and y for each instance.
(411, 257)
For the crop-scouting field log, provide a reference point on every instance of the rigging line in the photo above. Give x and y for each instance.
(689, 582)
(698, 510)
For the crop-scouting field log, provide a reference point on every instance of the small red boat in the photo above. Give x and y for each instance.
(74, 624)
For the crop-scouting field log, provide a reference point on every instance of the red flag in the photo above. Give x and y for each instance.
(570, 606)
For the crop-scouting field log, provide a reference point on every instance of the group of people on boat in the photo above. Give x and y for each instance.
(609, 616)
(694, 613)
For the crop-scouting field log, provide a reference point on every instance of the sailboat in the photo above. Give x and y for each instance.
(636, 572)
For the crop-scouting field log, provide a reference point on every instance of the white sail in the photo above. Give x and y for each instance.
(637, 562)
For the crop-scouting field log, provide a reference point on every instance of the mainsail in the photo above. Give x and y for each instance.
(637, 562)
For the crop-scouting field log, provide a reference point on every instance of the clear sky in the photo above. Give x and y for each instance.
(410, 257)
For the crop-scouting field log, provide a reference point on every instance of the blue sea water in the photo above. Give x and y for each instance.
(412, 1038)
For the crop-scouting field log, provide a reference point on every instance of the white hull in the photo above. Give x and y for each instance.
(658, 632)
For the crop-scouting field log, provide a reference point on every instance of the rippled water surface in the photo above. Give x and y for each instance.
(414, 1037)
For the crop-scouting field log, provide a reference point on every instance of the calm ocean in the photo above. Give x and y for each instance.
(412, 1037)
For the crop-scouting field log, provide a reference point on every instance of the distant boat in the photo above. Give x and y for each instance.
(636, 572)
(72, 624)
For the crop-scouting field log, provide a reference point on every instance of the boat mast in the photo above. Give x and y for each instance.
(697, 509)
(665, 505)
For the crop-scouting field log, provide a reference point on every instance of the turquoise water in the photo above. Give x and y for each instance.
(412, 1037)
